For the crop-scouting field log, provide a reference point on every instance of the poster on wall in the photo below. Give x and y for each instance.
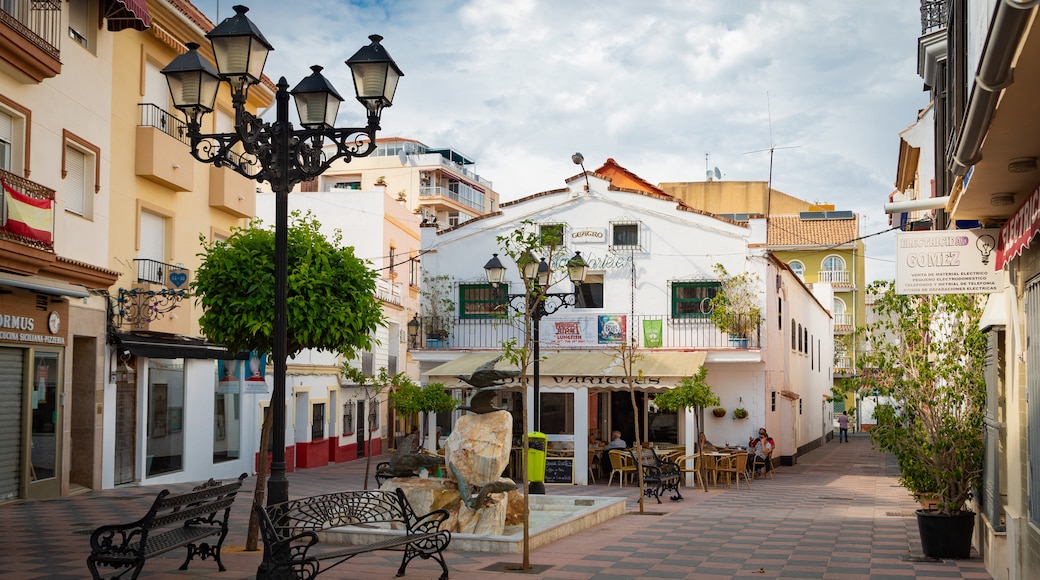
(230, 377)
(255, 383)
(612, 328)
(947, 262)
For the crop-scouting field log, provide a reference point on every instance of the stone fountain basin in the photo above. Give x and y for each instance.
(552, 518)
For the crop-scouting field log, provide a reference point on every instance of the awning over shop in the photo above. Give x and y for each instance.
(164, 345)
(43, 285)
(595, 370)
(123, 14)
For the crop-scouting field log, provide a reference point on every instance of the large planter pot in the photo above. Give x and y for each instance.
(946, 536)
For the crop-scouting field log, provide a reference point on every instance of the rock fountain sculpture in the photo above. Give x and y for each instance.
(476, 453)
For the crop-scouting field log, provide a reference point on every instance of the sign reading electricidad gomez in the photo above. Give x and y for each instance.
(947, 262)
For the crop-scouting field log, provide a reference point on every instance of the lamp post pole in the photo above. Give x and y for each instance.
(277, 153)
(538, 303)
(278, 484)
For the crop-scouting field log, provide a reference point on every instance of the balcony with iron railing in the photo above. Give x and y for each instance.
(843, 365)
(27, 214)
(161, 119)
(388, 292)
(465, 195)
(31, 32)
(934, 14)
(581, 331)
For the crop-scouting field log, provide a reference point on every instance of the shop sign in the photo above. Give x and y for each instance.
(595, 262)
(588, 235)
(947, 262)
(1018, 232)
(17, 328)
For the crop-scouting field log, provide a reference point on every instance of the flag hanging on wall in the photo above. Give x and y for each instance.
(652, 333)
(28, 217)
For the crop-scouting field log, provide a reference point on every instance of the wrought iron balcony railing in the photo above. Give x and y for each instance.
(581, 331)
(36, 228)
(158, 118)
(38, 21)
(934, 15)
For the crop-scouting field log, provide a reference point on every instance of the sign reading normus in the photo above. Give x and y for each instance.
(21, 320)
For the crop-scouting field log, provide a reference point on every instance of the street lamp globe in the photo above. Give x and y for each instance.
(193, 83)
(495, 271)
(375, 76)
(577, 269)
(317, 101)
(240, 50)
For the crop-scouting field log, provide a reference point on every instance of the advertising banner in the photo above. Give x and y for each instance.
(1018, 232)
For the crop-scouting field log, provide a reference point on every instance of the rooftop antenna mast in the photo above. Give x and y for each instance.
(771, 149)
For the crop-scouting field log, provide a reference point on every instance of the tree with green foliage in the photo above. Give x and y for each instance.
(408, 398)
(926, 353)
(691, 393)
(235, 287)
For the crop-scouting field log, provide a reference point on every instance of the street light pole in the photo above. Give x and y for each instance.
(537, 302)
(277, 153)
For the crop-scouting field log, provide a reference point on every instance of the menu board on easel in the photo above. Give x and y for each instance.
(559, 470)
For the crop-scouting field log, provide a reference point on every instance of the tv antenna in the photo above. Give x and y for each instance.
(772, 148)
(711, 174)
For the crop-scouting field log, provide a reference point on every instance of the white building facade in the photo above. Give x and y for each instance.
(650, 276)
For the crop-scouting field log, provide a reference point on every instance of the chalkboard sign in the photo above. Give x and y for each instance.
(559, 470)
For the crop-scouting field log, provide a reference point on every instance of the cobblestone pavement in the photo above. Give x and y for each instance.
(838, 513)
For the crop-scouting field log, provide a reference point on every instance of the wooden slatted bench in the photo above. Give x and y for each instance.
(290, 531)
(174, 521)
(658, 476)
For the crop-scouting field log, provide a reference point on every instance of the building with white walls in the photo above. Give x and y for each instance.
(651, 261)
(327, 418)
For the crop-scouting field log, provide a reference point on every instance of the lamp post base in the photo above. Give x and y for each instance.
(536, 487)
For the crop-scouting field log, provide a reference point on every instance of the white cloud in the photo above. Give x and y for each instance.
(521, 85)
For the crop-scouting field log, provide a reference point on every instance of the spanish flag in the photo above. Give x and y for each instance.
(28, 217)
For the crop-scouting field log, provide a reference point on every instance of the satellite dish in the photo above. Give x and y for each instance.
(718, 174)
(403, 157)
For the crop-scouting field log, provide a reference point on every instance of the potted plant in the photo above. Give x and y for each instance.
(740, 413)
(718, 412)
(437, 306)
(735, 307)
(925, 356)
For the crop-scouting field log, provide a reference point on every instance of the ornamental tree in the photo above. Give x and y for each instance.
(695, 393)
(235, 287)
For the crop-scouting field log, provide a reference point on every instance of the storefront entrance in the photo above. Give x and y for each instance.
(30, 423)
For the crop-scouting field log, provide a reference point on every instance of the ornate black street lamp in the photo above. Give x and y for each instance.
(276, 152)
(537, 301)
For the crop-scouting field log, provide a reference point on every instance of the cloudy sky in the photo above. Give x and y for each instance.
(667, 88)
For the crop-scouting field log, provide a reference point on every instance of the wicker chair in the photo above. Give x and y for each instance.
(734, 466)
(620, 465)
(691, 464)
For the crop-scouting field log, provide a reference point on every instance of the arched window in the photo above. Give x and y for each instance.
(798, 268)
(833, 271)
(841, 315)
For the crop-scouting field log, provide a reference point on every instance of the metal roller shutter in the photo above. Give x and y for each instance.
(11, 377)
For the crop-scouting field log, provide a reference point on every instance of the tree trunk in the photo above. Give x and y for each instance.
(253, 533)
(638, 446)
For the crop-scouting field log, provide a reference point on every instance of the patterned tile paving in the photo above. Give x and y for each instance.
(838, 514)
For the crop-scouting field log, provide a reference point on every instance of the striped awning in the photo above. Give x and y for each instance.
(123, 14)
(601, 370)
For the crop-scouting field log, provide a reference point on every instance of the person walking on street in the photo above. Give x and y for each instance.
(843, 426)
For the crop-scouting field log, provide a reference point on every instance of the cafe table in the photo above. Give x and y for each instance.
(711, 463)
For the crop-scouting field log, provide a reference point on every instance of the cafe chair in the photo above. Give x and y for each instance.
(735, 467)
(691, 464)
(621, 466)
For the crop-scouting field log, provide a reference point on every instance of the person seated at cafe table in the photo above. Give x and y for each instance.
(703, 444)
(761, 447)
(616, 442)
